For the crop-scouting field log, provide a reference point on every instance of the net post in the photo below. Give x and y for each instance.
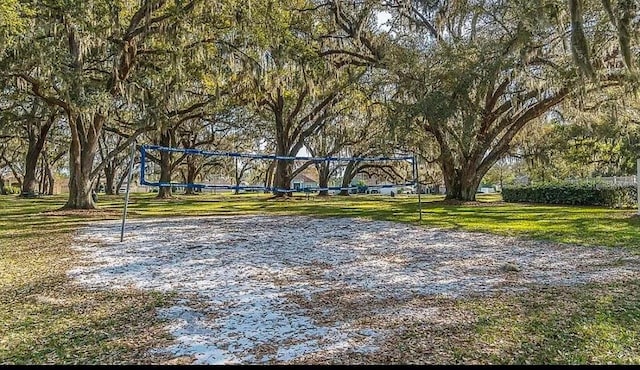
(143, 155)
(416, 179)
(126, 197)
(237, 189)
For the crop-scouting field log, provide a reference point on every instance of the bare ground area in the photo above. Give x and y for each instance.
(297, 289)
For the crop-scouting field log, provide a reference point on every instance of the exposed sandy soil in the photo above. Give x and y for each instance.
(297, 289)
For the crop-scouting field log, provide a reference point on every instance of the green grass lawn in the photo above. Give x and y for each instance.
(46, 319)
(589, 226)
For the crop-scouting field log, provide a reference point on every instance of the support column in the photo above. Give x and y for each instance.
(126, 197)
(416, 179)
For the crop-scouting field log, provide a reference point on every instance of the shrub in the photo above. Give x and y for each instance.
(8, 189)
(620, 196)
(588, 194)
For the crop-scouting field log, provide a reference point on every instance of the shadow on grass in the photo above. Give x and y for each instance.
(41, 228)
(53, 322)
(591, 323)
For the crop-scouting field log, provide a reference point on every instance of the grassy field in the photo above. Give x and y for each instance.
(46, 319)
(588, 226)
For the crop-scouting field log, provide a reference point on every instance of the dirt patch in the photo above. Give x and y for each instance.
(47, 319)
(298, 289)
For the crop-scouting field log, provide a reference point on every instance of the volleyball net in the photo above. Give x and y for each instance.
(146, 172)
(146, 159)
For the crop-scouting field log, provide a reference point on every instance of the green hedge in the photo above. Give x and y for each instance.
(587, 194)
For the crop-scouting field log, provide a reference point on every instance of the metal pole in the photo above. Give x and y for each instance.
(237, 190)
(143, 167)
(126, 197)
(416, 178)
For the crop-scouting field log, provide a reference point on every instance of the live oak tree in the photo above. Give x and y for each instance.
(245, 133)
(505, 66)
(464, 76)
(115, 168)
(604, 35)
(198, 84)
(36, 126)
(221, 130)
(198, 134)
(28, 121)
(190, 119)
(471, 74)
(369, 137)
(11, 156)
(80, 57)
(295, 83)
(329, 142)
(54, 156)
(358, 129)
(88, 58)
(601, 138)
(12, 22)
(538, 150)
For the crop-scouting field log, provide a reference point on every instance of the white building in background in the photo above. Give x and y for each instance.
(135, 188)
(487, 190)
(388, 190)
(306, 179)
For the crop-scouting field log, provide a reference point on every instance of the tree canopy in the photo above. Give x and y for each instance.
(462, 83)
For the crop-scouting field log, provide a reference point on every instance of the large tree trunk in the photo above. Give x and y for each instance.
(2, 191)
(268, 176)
(37, 139)
(349, 173)
(164, 192)
(50, 181)
(462, 184)
(237, 176)
(282, 178)
(43, 178)
(109, 178)
(192, 172)
(48, 174)
(80, 184)
(30, 182)
(82, 152)
(323, 178)
(462, 188)
(283, 170)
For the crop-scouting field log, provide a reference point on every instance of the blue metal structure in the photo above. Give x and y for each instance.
(143, 181)
(145, 148)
